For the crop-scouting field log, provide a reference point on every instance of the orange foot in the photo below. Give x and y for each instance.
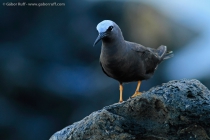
(137, 93)
(120, 101)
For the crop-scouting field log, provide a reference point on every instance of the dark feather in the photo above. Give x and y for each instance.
(103, 69)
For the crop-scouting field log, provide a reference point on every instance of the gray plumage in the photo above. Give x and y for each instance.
(127, 61)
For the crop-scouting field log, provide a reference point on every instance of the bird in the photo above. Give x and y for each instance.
(127, 61)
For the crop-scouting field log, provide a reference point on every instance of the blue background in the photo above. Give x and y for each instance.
(50, 75)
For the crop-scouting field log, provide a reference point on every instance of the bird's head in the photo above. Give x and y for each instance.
(108, 31)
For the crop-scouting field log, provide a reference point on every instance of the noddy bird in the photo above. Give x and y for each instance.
(127, 61)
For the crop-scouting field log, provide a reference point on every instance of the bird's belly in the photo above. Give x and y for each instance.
(125, 72)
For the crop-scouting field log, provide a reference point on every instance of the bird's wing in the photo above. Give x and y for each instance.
(136, 47)
(149, 56)
(144, 51)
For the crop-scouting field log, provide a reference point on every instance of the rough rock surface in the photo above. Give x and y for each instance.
(177, 110)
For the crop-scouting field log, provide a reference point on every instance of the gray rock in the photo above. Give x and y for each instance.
(175, 110)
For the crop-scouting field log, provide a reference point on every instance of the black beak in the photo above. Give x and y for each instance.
(100, 36)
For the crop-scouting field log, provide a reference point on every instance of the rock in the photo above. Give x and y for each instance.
(175, 110)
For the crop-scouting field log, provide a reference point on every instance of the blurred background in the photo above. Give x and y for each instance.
(50, 75)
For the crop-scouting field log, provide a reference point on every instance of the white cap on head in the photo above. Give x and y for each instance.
(104, 25)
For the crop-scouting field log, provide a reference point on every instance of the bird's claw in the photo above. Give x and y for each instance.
(136, 94)
(120, 101)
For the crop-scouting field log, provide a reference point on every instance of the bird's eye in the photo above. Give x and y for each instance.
(110, 28)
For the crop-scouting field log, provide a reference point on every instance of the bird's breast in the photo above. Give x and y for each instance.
(121, 67)
(113, 69)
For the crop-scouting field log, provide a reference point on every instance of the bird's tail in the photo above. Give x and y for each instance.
(163, 54)
(168, 55)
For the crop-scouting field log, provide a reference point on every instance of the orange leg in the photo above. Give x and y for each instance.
(121, 93)
(137, 90)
